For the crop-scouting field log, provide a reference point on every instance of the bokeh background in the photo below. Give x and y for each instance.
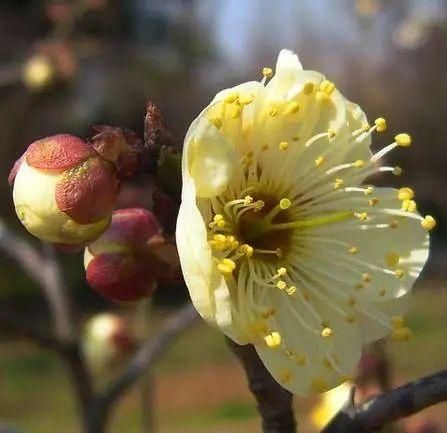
(66, 65)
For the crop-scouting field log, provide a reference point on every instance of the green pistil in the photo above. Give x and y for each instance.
(262, 227)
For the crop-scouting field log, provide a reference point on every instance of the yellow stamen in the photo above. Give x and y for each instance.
(308, 88)
(403, 140)
(319, 161)
(231, 97)
(409, 205)
(327, 332)
(428, 222)
(380, 124)
(292, 108)
(267, 72)
(281, 285)
(283, 145)
(285, 203)
(399, 273)
(353, 250)
(392, 259)
(226, 266)
(401, 334)
(290, 290)
(273, 340)
(405, 193)
(359, 163)
(217, 122)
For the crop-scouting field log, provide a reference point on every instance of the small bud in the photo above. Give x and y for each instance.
(122, 147)
(38, 72)
(63, 191)
(108, 338)
(131, 255)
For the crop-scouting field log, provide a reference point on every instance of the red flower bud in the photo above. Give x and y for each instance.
(64, 192)
(127, 260)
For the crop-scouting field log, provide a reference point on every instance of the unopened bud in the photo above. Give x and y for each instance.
(64, 192)
(108, 338)
(131, 255)
(122, 147)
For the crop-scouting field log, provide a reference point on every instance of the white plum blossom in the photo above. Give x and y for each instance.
(283, 242)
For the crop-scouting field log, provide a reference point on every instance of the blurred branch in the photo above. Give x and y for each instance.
(391, 406)
(275, 404)
(45, 270)
(143, 361)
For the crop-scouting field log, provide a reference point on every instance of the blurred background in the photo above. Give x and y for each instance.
(66, 65)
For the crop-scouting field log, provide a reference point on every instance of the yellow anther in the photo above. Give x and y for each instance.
(246, 98)
(382, 291)
(365, 127)
(219, 238)
(292, 108)
(281, 285)
(235, 111)
(258, 205)
(281, 271)
(327, 87)
(353, 250)
(291, 290)
(350, 319)
(373, 201)
(331, 133)
(246, 250)
(351, 301)
(283, 145)
(285, 203)
(308, 88)
(319, 161)
(369, 190)
(380, 123)
(403, 140)
(409, 205)
(264, 147)
(248, 199)
(397, 171)
(226, 266)
(359, 163)
(273, 112)
(428, 222)
(285, 376)
(327, 332)
(218, 217)
(366, 278)
(362, 216)
(401, 334)
(338, 183)
(393, 224)
(217, 122)
(273, 340)
(231, 97)
(400, 273)
(267, 72)
(392, 259)
(405, 193)
(398, 321)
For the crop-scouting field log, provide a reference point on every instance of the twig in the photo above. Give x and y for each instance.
(274, 402)
(56, 293)
(45, 271)
(391, 406)
(142, 362)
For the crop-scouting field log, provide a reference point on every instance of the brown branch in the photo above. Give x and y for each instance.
(275, 404)
(143, 361)
(391, 406)
(45, 271)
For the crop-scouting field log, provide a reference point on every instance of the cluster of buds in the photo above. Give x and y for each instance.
(125, 262)
(65, 188)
